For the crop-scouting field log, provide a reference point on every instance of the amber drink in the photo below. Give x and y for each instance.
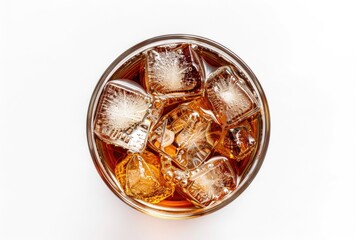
(178, 126)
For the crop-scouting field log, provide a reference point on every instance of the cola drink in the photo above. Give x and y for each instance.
(179, 125)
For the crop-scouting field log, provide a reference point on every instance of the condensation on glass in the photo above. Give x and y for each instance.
(178, 126)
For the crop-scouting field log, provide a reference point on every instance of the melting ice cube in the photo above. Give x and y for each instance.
(186, 134)
(124, 115)
(211, 182)
(240, 141)
(141, 177)
(173, 71)
(229, 96)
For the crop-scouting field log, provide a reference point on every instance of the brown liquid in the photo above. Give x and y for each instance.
(134, 70)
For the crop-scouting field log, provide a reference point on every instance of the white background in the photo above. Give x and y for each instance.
(305, 53)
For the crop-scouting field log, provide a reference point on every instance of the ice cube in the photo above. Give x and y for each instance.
(231, 99)
(140, 176)
(125, 115)
(173, 71)
(187, 134)
(211, 182)
(240, 142)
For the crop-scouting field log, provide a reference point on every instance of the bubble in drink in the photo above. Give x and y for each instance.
(173, 71)
(229, 96)
(140, 176)
(186, 134)
(211, 182)
(124, 115)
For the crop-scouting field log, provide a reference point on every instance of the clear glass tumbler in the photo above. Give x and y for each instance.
(247, 155)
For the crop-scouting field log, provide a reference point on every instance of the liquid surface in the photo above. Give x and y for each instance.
(178, 126)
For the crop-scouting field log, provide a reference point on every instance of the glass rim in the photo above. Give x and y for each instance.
(171, 212)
